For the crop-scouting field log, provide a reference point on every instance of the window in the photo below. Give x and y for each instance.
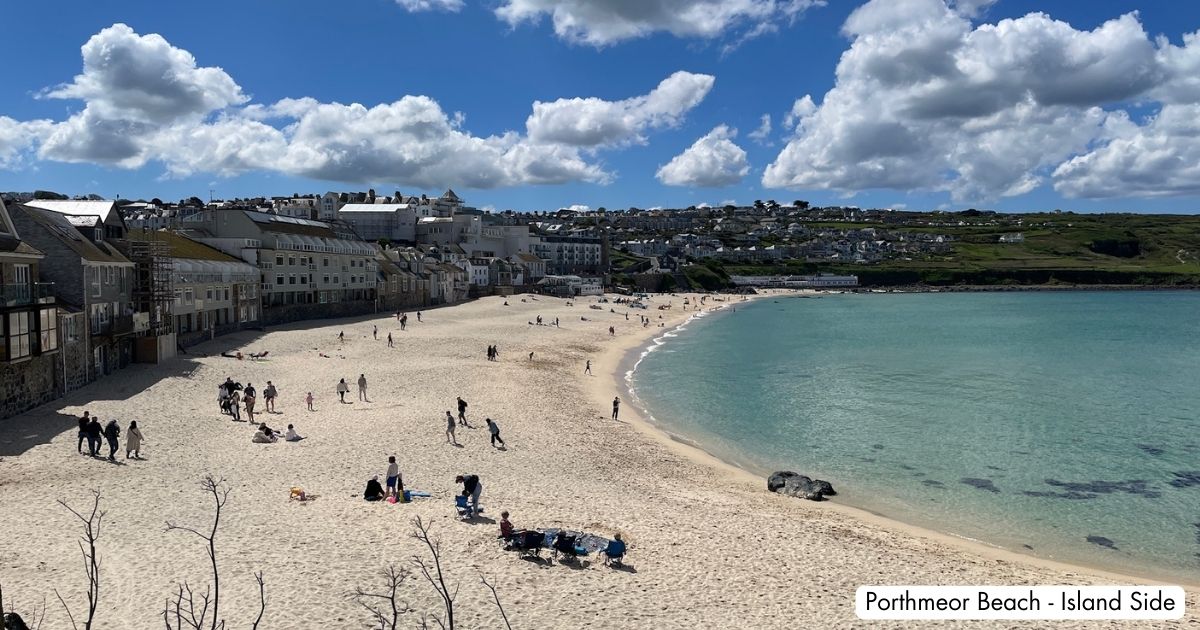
(291, 260)
(292, 279)
(95, 281)
(20, 334)
(279, 260)
(48, 329)
(279, 279)
(208, 293)
(325, 261)
(303, 279)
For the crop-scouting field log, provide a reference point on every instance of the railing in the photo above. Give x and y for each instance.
(25, 294)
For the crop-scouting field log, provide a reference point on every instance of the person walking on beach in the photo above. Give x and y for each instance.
(390, 344)
(471, 488)
(588, 368)
(95, 435)
(489, 353)
(362, 387)
(111, 433)
(404, 321)
(616, 407)
(530, 356)
(418, 315)
(235, 408)
(462, 411)
(83, 430)
(395, 486)
(450, 429)
(375, 332)
(495, 431)
(133, 441)
(556, 322)
(612, 331)
(269, 395)
(342, 389)
(248, 400)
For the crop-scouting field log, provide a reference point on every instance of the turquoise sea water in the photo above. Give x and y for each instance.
(1031, 421)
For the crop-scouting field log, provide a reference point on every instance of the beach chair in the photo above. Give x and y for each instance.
(614, 553)
(462, 506)
(529, 542)
(565, 547)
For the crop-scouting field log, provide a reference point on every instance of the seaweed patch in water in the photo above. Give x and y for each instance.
(982, 484)
(1070, 494)
(1186, 479)
(905, 467)
(878, 447)
(1153, 450)
(933, 483)
(1103, 542)
(1139, 487)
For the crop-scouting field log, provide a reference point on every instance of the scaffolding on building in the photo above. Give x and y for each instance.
(154, 287)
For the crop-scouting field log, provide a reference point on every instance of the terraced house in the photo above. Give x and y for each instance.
(29, 337)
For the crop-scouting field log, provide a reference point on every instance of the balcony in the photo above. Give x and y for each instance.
(26, 294)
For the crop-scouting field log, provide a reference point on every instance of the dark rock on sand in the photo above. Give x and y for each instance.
(797, 485)
(982, 484)
(1103, 542)
(1186, 479)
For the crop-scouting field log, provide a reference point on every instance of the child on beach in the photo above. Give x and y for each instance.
(133, 441)
(506, 526)
(309, 400)
(292, 436)
(395, 487)
(450, 429)
(495, 431)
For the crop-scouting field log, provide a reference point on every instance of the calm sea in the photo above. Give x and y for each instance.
(1065, 425)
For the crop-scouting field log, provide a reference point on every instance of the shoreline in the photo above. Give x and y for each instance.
(630, 356)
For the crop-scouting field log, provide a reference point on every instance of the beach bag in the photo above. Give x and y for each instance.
(391, 499)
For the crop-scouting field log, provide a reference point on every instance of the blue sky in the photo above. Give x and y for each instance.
(1099, 148)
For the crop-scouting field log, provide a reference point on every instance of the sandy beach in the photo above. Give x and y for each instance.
(710, 547)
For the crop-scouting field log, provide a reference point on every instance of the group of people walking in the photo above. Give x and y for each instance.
(96, 435)
(343, 389)
(452, 424)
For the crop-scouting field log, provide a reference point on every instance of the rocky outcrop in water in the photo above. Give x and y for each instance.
(797, 485)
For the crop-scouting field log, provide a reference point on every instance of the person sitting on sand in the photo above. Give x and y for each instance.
(615, 550)
(374, 491)
(506, 527)
(292, 436)
(264, 435)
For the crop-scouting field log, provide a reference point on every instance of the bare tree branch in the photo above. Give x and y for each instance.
(495, 596)
(91, 561)
(434, 574)
(219, 490)
(262, 599)
(389, 600)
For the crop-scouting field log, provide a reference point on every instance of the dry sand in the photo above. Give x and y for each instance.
(711, 548)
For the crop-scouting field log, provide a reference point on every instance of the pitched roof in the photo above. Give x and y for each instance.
(373, 207)
(76, 207)
(449, 194)
(182, 246)
(58, 226)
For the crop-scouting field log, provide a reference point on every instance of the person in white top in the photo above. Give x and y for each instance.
(394, 485)
(292, 436)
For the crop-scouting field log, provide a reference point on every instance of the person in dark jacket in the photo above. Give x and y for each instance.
(95, 434)
(83, 430)
(111, 433)
(374, 491)
(471, 489)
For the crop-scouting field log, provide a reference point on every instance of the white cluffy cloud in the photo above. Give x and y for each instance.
(594, 122)
(415, 6)
(601, 22)
(762, 135)
(712, 161)
(924, 99)
(145, 100)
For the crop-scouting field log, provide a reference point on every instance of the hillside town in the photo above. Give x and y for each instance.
(91, 285)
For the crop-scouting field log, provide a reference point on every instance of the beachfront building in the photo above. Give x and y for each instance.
(91, 276)
(796, 282)
(212, 292)
(392, 222)
(569, 255)
(30, 365)
(570, 285)
(308, 268)
(532, 267)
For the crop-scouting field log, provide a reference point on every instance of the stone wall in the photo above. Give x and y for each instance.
(27, 384)
(275, 315)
